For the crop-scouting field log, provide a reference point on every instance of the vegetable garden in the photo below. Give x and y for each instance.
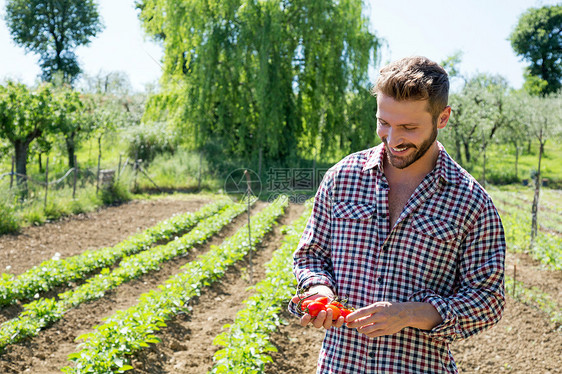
(189, 294)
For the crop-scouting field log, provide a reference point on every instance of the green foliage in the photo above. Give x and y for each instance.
(246, 341)
(53, 30)
(56, 272)
(40, 313)
(146, 141)
(9, 221)
(254, 78)
(547, 247)
(537, 39)
(25, 115)
(133, 329)
(116, 193)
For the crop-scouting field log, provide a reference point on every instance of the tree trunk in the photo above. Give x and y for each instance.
(516, 160)
(484, 164)
(21, 148)
(535, 208)
(458, 151)
(70, 149)
(40, 162)
(466, 151)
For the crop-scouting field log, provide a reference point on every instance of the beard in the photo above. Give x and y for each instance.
(402, 162)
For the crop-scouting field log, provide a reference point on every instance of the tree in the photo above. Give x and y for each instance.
(537, 38)
(70, 120)
(544, 116)
(54, 29)
(262, 80)
(515, 130)
(25, 116)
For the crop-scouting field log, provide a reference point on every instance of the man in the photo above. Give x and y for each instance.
(406, 235)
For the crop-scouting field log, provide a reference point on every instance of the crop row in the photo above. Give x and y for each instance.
(55, 272)
(246, 342)
(534, 297)
(108, 347)
(548, 220)
(550, 200)
(547, 248)
(40, 313)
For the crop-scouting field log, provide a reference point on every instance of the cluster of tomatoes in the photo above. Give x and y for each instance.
(314, 306)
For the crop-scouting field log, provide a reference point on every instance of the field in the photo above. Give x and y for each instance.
(202, 256)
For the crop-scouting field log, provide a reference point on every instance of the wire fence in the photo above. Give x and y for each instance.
(103, 177)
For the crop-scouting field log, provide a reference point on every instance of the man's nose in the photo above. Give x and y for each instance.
(393, 137)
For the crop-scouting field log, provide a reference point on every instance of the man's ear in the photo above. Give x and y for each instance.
(444, 117)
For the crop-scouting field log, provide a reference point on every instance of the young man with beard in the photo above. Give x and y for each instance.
(406, 235)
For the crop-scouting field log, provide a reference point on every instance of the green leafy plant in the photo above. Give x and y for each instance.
(107, 348)
(246, 344)
(56, 272)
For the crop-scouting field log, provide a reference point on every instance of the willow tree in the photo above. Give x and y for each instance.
(271, 79)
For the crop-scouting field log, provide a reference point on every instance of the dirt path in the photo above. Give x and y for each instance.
(533, 274)
(187, 341)
(48, 352)
(73, 235)
(524, 341)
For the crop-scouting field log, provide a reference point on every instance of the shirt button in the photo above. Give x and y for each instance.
(380, 280)
(385, 247)
(372, 354)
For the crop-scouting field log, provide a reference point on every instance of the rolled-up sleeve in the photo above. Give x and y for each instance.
(479, 301)
(312, 263)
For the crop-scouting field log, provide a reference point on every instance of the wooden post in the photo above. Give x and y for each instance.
(75, 177)
(249, 193)
(46, 182)
(12, 173)
(99, 163)
(119, 168)
(514, 280)
(136, 168)
(200, 167)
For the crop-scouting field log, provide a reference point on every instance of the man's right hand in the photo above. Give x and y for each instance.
(324, 318)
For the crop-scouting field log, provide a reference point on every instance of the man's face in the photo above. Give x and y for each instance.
(406, 129)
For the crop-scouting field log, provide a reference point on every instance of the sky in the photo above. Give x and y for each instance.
(433, 28)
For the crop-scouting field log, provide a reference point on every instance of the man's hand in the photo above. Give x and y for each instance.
(324, 318)
(385, 318)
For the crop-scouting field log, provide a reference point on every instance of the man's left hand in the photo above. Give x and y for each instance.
(380, 318)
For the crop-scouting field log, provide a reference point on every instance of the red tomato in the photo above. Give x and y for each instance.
(345, 312)
(305, 304)
(337, 303)
(322, 299)
(336, 313)
(315, 307)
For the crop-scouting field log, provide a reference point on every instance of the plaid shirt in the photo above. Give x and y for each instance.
(447, 248)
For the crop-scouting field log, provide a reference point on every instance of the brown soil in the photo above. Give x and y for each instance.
(534, 274)
(73, 235)
(188, 340)
(524, 341)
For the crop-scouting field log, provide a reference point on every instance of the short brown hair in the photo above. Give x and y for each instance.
(415, 78)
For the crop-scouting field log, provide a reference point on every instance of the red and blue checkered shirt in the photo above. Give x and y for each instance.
(447, 248)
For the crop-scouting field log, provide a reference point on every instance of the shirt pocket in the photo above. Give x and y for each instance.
(434, 227)
(433, 257)
(352, 249)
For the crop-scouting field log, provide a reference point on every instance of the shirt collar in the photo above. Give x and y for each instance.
(444, 168)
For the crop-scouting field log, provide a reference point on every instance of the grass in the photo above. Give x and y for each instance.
(500, 164)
